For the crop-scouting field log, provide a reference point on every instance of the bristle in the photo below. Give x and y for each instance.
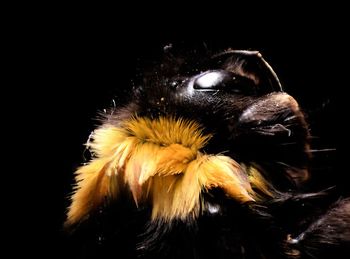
(260, 184)
(161, 162)
(94, 182)
(223, 172)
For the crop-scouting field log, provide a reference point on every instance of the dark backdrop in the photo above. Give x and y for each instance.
(79, 70)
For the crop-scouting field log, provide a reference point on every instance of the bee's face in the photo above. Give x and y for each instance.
(237, 97)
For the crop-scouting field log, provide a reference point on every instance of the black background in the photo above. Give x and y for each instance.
(74, 70)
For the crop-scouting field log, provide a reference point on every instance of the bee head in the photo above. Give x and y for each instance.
(237, 97)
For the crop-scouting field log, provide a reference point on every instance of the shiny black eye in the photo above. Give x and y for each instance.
(224, 80)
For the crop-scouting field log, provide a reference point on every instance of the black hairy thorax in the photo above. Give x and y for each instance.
(237, 98)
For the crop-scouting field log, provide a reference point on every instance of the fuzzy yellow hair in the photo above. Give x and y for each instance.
(160, 161)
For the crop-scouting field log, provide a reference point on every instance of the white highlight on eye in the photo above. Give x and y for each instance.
(209, 79)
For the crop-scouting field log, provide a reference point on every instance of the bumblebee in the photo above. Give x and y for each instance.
(209, 159)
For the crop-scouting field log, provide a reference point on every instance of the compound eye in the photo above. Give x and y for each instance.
(223, 80)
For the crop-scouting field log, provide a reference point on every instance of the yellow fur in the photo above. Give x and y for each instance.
(258, 182)
(159, 161)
